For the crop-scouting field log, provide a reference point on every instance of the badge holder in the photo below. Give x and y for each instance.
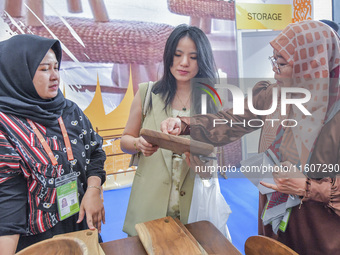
(67, 195)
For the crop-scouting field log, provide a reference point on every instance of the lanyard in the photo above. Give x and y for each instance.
(45, 145)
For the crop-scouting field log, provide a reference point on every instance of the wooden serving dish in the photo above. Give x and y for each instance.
(177, 144)
(167, 236)
(89, 237)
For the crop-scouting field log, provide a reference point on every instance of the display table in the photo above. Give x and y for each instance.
(211, 239)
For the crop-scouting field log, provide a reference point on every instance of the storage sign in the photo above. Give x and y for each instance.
(263, 16)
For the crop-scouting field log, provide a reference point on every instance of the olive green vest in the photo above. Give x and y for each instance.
(151, 186)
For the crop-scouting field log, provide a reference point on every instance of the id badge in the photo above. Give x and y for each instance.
(284, 221)
(67, 195)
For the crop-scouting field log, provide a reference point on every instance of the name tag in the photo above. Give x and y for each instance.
(67, 195)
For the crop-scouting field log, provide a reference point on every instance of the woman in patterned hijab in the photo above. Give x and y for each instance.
(306, 55)
(309, 51)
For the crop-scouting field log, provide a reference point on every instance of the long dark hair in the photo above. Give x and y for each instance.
(167, 85)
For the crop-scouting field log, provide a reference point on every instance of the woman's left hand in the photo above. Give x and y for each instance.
(92, 205)
(291, 182)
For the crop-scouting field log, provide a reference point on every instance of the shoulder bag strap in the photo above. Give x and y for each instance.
(147, 99)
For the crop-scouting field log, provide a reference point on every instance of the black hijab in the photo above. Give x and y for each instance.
(20, 57)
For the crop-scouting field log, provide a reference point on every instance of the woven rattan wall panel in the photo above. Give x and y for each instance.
(203, 8)
(116, 41)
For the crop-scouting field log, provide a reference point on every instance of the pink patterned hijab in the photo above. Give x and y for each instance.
(312, 49)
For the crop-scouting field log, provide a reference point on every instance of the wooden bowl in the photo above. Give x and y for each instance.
(56, 246)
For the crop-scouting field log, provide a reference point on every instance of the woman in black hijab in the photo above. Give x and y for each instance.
(48, 149)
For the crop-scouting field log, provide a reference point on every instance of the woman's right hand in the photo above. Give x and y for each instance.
(143, 146)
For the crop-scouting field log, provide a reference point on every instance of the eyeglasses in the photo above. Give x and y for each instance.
(276, 65)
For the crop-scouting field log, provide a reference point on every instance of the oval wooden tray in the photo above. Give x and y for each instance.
(177, 144)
